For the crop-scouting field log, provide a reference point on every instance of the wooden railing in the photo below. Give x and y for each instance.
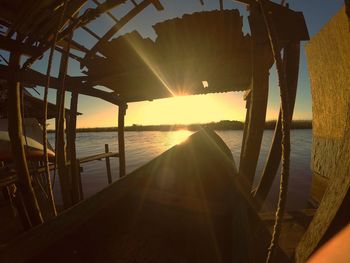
(8, 176)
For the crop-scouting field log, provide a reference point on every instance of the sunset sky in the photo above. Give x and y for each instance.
(190, 109)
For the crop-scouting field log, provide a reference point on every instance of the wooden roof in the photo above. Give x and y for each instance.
(206, 46)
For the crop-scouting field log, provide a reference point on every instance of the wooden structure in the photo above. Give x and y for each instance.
(138, 69)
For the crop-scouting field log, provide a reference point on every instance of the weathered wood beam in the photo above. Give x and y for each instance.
(62, 168)
(71, 136)
(17, 145)
(92, 33)
(16, 46)
(122, 22)
(291, 68)
(256, 112)
(31, 77)
(61, 50)
(121, 141)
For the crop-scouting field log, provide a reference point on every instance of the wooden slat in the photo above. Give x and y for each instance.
(98, 157)
(122, 22)
(16, 46)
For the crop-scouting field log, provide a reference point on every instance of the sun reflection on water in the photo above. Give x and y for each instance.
(179, 136)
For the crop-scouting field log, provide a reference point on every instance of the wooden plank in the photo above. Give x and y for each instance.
(98, 157)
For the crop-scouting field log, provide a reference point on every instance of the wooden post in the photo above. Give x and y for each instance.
(254, 128)
(291, 68)
(221, 5)
(65, 180)
(108, 165)
(71, 136)
(78, 171)
(121, 141)
(17, 146)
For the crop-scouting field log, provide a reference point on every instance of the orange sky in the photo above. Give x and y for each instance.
(177, 110)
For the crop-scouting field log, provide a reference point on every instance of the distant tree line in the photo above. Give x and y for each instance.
(221, 125)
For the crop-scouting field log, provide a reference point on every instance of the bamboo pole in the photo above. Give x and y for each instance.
(121, 140)
(108, 165)
(17, 146)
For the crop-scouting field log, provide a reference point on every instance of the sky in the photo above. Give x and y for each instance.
(188, 109)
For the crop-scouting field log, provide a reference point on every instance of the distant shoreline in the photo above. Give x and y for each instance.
(219, 126)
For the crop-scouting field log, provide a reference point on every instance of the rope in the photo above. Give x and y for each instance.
(285, 132)
(46, 91)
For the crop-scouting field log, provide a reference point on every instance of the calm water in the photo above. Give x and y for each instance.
(142, 147)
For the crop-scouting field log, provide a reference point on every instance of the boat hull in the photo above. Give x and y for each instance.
(183, 206)
(32, 141)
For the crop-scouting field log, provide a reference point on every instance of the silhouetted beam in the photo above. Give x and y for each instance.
(17, 147)
(91, 32)
(31, 77)
(291, 64)
(122, 22)
(248, 2)
(77, 58)
(256, 112)
(121, 140)
(90, 15)
(107, 12)
(16, 46)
